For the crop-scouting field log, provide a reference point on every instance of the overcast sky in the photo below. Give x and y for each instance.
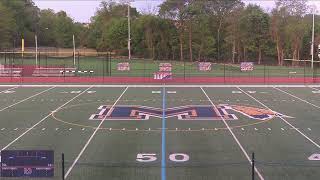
(82, 10)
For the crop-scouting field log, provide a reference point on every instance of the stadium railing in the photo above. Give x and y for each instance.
(239, 168)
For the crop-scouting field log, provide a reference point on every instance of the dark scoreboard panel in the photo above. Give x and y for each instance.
(27, 163)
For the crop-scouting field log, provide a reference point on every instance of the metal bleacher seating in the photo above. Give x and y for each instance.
(54, 72)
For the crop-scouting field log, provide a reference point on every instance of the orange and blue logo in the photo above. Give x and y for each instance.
(254, 112)
(189, 112)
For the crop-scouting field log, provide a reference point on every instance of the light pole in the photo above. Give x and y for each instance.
(36, 42)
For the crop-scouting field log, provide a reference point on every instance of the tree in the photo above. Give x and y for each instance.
(234, 33)
(157, 36)
(203, 41)
(176, 10)
(218, 11)
(116, 36)
(26, 16)
(285, 16)
(108, 12)
(254, 24)
(46, 31)
(65, 29)
(7, 27)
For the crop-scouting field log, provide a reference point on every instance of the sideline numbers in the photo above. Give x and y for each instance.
(7, 92)
(146, 157)
(179, 157)
(77, 92)
(150, 157)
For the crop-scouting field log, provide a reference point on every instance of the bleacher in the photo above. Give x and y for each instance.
(54, 72)
(10, 72)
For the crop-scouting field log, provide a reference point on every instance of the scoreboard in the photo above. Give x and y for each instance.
(27, 163)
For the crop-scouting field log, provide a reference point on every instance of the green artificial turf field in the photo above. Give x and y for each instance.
(153, 132)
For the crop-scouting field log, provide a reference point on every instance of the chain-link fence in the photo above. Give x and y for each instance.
(104, 68)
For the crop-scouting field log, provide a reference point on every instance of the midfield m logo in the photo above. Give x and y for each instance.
(190, 112)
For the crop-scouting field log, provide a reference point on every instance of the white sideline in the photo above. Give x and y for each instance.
(293, 127)
(93, 134)
(29, 129)
(9, 89)
(234, 137)
(158, 85)
(26, 99)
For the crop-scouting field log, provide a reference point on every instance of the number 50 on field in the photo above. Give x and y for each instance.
(150, 157)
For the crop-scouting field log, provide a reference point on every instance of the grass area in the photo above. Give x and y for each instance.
(146, 68)
(60, 121)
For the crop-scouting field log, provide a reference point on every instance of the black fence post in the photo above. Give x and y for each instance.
(64, 70)
(184, 70)
(62, 166)
(224, 72)
(0, 167)
(107, 65)
(110, 64)
(252, 166)
(314, 74)
(304, 72)
(144, 68)
(46, 60)
(39, 59)
(264, 73)
(5, 58)
(104, 66)
(78, 58)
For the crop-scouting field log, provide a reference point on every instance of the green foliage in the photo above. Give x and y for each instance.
(116, 36)
(254, 25)
(7, 27)
(26, 18)
(64, 28)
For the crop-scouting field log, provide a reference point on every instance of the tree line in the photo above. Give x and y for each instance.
(186, 30)
(22, 19)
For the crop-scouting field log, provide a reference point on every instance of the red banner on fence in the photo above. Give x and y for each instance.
(246, 66)
(125, 66)
(204, 66)
(165, 67)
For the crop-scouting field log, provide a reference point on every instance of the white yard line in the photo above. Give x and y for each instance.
(9, 89)
(292, 126)
(234, 137)
(313, 88)
(29, 129)
(93, 134)
(297, 97)
(157, 85)
(26, 99)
